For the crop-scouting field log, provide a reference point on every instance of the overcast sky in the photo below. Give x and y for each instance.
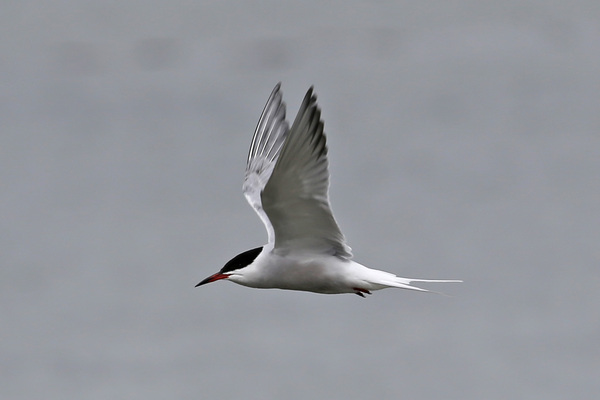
(464, 144)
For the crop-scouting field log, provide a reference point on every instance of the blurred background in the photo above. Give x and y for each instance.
(464, 143)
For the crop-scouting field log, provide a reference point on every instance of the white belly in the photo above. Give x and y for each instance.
(329, 275)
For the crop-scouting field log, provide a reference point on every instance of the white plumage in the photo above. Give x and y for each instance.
(287, 183)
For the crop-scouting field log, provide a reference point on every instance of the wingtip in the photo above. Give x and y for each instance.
(310, 99)
(276, 89)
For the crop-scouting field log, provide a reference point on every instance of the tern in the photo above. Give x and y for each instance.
(287, 184)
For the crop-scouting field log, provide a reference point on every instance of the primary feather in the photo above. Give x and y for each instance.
(287, 180)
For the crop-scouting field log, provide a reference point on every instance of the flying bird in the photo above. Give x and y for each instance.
(287, 184)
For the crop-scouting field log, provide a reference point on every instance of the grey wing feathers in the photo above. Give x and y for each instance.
(271, 129)
(296, 196)
(268, 139)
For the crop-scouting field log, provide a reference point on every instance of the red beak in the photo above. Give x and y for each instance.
(212, 278)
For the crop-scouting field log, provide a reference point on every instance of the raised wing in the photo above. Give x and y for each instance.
(268, 139)
(295, 197)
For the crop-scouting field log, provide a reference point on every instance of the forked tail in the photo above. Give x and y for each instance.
(373, 279)
(405, 283)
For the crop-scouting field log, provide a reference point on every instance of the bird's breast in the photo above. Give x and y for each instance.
(314, 274)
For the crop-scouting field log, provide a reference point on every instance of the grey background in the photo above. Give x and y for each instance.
(464, 143)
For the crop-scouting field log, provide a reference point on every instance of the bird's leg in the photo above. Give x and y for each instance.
(361, 292)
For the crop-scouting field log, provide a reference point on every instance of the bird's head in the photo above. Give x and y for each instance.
(234, 266)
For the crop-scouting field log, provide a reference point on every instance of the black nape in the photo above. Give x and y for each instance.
(241, 260)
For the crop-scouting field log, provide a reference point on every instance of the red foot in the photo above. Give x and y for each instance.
(361, 292)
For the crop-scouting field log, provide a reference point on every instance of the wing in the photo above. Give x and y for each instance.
(296, 198)
(268, 139)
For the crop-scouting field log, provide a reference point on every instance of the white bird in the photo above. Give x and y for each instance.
(287, 184)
